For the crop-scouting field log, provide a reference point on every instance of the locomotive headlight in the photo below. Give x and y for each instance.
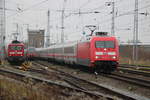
(111, 53)
(11, 52)
(114, 57)
(98, 53)
(19, 52)
(96, 57)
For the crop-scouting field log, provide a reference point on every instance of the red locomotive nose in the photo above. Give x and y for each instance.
(16, 52)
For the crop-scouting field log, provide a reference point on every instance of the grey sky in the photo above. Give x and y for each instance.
(35, 14)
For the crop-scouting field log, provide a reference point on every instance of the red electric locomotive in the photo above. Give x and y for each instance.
(15, 52)
(100, 53)
(96, 52)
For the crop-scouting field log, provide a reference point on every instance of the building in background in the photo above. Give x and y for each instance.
(36, 38)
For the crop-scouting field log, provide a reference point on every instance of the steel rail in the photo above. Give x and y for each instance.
(39, 79)
(124, 65)
(142, 68)
(137, 81)
(129, 70)
(117, 92)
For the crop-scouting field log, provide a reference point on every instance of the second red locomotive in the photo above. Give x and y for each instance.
(97, 52)
(15, 52)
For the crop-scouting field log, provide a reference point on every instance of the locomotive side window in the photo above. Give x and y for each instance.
(105, 44)
(15, 47)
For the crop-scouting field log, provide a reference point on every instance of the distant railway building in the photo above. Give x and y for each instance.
(36, 38)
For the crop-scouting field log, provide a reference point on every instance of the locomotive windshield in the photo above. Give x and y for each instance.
(15, 47)
(105, 44)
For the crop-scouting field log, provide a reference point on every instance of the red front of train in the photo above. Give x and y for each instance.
(100, 53)
(15, 52)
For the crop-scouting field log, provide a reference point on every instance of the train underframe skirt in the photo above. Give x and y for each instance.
(16, 60)
(106, 66)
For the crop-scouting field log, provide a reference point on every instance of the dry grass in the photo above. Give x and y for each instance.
(14, 90)
(17, 91)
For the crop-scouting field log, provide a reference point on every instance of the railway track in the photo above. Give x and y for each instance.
(99, 90)
(130, 79)
(92, 86)
(127, 78)
(134, 67)
(134, 71)
(49, 82)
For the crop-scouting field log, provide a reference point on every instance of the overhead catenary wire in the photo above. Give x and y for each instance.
(35, 5)
(130, 23)
(69, 10)
(124, 14)
(101, 7)
(123, 4)
(28, 8)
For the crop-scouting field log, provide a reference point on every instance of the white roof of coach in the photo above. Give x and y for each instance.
(63, 45)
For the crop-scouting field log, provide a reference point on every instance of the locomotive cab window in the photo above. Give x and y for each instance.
(15, 47)
(104, 44)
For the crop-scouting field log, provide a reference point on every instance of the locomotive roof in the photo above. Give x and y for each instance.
(15, 41)
(105, 37)
(58, 45)
(89, 38)
(15, 44)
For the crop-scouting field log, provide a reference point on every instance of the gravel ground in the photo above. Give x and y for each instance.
(11, 89)
(82, 73)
